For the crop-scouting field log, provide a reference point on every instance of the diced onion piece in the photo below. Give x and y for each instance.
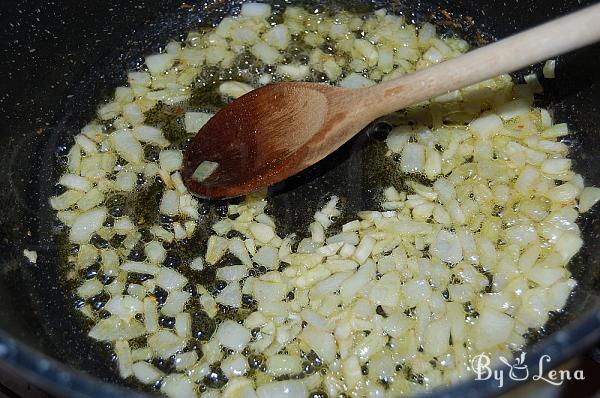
(437, 336)
(185, 360)
(193, 121)
(235, 365)
(512, 109)
(255, 10)
(125, 307)
(267, 256)
(159, 63)
(165, 343)
(232, 273)
(230, 296)
(86, 224)
(125, 181)
(447, 247)
(216, 248)
(89, 288)
(169, 203)
(492, 328)
(263, 233)
(232, 335)
(155, 252)
(548, 69)
(486, 126)
(31, 255)
(556, 166)
(183, 324)
(76, 182)
(150, 314)
(413, 158)
(124, 358)
(65, 200)
(568, 245)
(320, 341)
(150, 134)
(127, 146)
(234, 89)
(140, 267)
(204, 170)
(197, 264)
(146, 373)
(355, 80)
(170, 279)
(175, 303)
(133, 114)
(294, 72)
(170, 160)
(283, 389)
(559, 293)
(113, 328)
(265, 53)
(241, 250)
(239, 387)
(280, 364)
(178, 386)
(588, 198)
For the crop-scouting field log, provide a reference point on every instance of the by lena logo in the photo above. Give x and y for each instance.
(519, 371)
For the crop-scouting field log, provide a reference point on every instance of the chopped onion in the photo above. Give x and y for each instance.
(159, 63)
(548, 69)
(165, 343)
(234, 89)
(267, 256)
(169, 203)
(216, 248)
(235, 365)
(193, 121)
(588, 198)
(150, 134)
(31, 255)
(185, 360)
(170, 279)
(155, 252)
(492, 327)
(232, 335)
(124, 358)
(125, 307)
(86, 224)
(320, 341)
(73, 181)
(204, 170)
(178, 386)
(255, 10)
(146, 373)
(283, 389)
(239, 387)
(170, 160)
(263, 233)
(232, 273)
(175, 303)
(230, 296)
(355, 80)
(127, 146)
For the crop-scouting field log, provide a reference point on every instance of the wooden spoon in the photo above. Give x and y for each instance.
(278, 130)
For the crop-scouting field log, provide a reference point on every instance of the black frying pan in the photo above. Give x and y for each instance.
(59, 60)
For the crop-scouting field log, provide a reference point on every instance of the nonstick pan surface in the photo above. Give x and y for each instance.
(59, 60)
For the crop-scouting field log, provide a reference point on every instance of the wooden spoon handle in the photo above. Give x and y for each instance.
(513, 53)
